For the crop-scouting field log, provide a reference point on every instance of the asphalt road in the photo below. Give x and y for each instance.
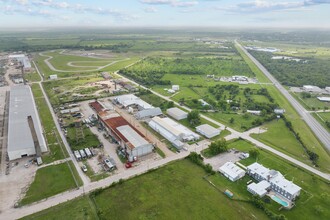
(316, 127)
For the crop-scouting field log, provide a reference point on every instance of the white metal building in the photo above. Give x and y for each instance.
(172, 131)
(138, 146)
(207, 130)
(22, 105)
(175, 87)
(146, 113)
(53, 77)
(232, 171)
(324, 99)
(177, 113)
(130, 99)
(22, 59)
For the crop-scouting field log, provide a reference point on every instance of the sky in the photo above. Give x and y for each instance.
(165, 13)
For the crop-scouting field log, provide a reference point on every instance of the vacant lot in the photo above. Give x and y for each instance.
(50, 181)
(171, 192)
(76, 209)
(55, 146)
(286, 143)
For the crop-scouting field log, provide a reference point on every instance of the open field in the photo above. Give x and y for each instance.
(322, 117)
(77, 209)
(55, 145)
(61, 91)
(90, 139)
(170, 192)
(50, 181)
(311, 103)
(287, 142)
(300, 126)
(190, 196)
(315, 193)
(32, 77)
(73, 65)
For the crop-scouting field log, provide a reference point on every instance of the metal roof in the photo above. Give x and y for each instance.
(207, 129)
(149, 112)
(130, 99)
(177, 113)
(21, 105)
(132, 136)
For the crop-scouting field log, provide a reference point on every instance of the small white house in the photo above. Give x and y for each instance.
(207, 130)
(232, 171)
(177, 113)
(53, 77)
(175, 87)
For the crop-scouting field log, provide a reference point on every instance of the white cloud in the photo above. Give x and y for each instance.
(173, 3)
(150, 10)
(260, 6)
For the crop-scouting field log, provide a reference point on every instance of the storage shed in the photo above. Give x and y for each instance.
(207, 130)
(177, 113)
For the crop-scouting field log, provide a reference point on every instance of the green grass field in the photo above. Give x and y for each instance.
(85, 65)
(90, 139)
(299, 125)
(322, 117)
(281, 138)
(51, 180)
(55, 145)
(77, 209)
(311, 103)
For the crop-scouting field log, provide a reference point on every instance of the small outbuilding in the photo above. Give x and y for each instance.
(207, 130)
(177, 113)
(232, 171)
(147, 113)
(175, 87)
(53, 77)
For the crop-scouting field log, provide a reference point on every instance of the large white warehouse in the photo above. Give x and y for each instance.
(22, 105)
(172, 131)
(177, 113)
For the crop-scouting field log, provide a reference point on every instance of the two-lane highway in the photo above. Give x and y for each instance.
(316, 127)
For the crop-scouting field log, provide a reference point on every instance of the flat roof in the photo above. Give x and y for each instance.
(324, 99)
(285, 184)
(259, 169)
(207, 129)
(22, 105)
(231, 170)
(259, 188)
(176, 111)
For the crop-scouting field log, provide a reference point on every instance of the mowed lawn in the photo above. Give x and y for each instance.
(176, 191)
(315, 194)
(51, 180)
(322, 117)
(76, 209)
(281, 138)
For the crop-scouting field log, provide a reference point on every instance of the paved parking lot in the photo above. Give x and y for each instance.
(221, 159)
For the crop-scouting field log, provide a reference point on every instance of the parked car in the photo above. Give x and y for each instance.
(84, 168)
(128, 165)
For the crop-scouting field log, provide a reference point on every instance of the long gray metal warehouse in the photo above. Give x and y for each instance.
(20, 141)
